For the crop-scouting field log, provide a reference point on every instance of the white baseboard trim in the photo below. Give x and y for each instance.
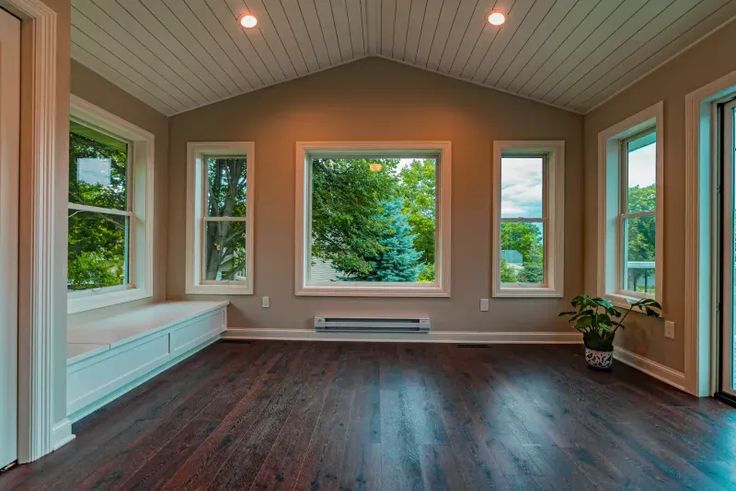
(61, 434)
(459, 337)
(652, 368)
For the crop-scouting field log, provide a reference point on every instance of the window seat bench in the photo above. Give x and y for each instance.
(108, 357)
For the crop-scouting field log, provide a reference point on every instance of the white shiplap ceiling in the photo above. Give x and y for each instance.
(176, 55)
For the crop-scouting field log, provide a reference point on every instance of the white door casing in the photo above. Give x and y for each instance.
(9, 167)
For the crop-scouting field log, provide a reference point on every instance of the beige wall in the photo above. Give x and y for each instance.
(97, 90)
(696, 67)
(374, 99)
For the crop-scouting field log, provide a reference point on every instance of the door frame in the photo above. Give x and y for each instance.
(701, 249)
(38, 433)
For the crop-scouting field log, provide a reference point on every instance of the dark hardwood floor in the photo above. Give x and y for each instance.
(267, 415)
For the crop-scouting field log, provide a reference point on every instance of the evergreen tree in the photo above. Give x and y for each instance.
(399, 261)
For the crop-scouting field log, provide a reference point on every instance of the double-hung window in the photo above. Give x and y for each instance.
(630, 225)
(528, 229)
(220, 218)
(637, 218)
(109, 211)
(373, 219)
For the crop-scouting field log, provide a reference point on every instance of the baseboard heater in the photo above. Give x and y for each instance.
(397, 325)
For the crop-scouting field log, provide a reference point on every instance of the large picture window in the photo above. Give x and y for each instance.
(528, 219)
(630, 226)
(219, 241)
(372, 219)
(110, 210)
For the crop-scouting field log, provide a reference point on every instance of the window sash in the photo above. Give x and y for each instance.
(204, 218)
(357, 154)
(543, 220)
(624, 215)
(129, 259)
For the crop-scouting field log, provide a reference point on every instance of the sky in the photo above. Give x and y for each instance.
(521, 190)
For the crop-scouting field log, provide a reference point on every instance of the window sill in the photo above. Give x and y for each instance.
(92, 301)
(219, 289)
(622, 301)
(372, 291)
(527, 293)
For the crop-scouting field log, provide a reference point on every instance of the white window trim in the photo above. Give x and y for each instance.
(554, 150)
(195, 218)
(609, 167)
(142, 205)
(441, 286)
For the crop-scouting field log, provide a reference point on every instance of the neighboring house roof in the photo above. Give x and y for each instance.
(321, 271)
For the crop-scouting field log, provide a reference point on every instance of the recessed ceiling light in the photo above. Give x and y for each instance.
(496, 19)
(248, 21)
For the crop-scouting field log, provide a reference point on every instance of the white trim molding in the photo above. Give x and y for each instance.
(39, 309)
(609, 268)
(652, 368)
(459, 337)
(196, 214)
(700, 291)
(553, 219)
(141, 187)
(62, 434)
(441, 150)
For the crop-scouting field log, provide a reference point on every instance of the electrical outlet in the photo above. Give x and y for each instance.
(484, 305)
(669, 329)
(266, 302)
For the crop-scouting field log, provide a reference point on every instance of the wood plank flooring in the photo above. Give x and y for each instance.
(291, 415)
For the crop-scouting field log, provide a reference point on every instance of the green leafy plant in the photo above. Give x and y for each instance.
(598, 319)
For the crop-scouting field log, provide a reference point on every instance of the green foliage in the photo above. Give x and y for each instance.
(346, 199)
(398, 261)
(526, 239)
(598, 319)
(640, 235)
(417, 187)
(97, 241)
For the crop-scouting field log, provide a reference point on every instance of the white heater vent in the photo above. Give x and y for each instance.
(373, 324)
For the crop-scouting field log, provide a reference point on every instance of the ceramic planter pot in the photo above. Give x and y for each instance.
(599, 360)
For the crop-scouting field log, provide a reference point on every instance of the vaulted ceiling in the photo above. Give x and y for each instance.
(176, 55)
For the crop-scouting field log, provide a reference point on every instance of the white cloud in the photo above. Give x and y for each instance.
(521, 187)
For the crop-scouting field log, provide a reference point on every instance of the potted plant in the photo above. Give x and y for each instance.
(598, 320)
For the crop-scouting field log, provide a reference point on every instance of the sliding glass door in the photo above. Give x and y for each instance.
(728, 249)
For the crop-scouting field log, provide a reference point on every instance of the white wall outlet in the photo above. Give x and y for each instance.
(266, 302)
(484, 305)
(669, 329)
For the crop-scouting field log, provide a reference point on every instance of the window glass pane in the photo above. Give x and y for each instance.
(226, 186)
(224, 254)
(97, 168)
(98, 252)
(373, 220)
(522, 254)
(642, 173)
(522, 185)
(638, 263)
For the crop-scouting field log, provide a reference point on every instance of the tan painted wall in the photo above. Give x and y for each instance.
(696, 67)
(374, 99)
(95, 89)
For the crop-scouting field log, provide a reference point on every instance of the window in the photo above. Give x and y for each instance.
(373, 218)
(630, 160)
(637, 218)
(220, 215)
(528, 229)
(110, 209)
